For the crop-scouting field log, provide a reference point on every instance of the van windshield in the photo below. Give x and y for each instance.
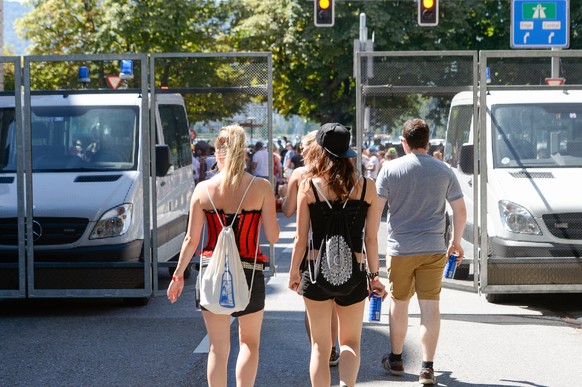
(537, 135)
(73, 138)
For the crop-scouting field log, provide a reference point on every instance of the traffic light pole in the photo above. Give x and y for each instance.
(362, 44)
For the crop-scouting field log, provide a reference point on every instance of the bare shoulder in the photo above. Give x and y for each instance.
(200, 188)
(297, 172)
(371, 193)
(262, 186)
(370, 183)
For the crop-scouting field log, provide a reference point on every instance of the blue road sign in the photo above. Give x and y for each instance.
(540, 24)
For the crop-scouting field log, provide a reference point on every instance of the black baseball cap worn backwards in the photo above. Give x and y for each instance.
(335, 139)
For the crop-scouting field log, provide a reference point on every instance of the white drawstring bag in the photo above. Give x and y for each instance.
(223, 287)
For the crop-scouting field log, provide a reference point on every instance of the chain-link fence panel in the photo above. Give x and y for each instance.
(80, 169)
(397, 86)
(89, 141)
(99, 156)
(531, 132)
(218, 89)
(394, 87)
(12, 183)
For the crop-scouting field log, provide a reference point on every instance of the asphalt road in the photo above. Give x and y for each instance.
(533, 340)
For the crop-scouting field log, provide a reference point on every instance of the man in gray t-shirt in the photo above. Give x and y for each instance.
(417, 188)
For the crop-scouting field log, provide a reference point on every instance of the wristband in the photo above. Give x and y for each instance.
(177, 279)
(374, 276)
(375, 279)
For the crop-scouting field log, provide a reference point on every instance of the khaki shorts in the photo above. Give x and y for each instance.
(420, 273)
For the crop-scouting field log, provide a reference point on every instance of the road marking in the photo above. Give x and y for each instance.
(204, 346)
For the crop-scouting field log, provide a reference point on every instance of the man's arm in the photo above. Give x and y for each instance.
(459, 220)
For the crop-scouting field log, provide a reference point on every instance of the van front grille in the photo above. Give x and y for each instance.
(46, 231)
(565, 226)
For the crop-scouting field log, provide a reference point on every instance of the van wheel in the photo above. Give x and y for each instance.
(496, 298)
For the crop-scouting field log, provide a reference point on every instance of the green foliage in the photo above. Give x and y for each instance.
(313, 67)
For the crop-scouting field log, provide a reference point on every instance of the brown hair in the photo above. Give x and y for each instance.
(416, 133)
(307, 141)
(340, 172)
(231, 141)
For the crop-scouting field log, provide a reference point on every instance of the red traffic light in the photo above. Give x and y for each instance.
(428, 13)
(323, 13)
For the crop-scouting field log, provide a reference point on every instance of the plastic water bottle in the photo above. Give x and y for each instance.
(451, 266)
(375, 308)
(226, 290)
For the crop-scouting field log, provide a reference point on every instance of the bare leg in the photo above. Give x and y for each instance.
(430, 326)
(249, 335)
(350, 334)
(218, 328)
(319, 313)
(398, 324)
(334, 327)
(307, 326)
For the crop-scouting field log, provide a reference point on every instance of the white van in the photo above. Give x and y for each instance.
(87, 179)
(534, 168)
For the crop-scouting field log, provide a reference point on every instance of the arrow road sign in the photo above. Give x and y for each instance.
(540, 24)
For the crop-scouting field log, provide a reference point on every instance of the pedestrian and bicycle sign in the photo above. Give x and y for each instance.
(540, 24)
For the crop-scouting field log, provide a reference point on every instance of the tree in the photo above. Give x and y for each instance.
(138, 26)
(314, 66)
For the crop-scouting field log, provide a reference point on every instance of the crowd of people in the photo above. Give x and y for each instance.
(323, 181)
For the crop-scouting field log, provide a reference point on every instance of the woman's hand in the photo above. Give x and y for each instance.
(294, 280)
(175, 289)
(378, 288)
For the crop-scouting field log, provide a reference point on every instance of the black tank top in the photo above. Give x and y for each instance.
(355, 210)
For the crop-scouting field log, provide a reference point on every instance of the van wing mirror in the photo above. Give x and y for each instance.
(163, 160)
(466, 159)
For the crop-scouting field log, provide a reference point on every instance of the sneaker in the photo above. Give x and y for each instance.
(334, 357)
(396, 367)
(427, 376)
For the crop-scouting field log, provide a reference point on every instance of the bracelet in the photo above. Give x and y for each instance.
(176, 279)
(373, 276)
(375, 279)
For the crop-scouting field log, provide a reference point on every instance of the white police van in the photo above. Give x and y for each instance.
(87, 182)
(533, 165)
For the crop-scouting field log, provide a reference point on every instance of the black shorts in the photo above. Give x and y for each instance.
(313, 292)
(257, 301)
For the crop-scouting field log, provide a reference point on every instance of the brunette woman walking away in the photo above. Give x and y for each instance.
(331, 176)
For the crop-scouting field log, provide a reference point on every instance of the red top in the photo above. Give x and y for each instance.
(245, 228)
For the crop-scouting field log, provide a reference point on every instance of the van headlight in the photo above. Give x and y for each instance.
(114, 222)
(517, 219)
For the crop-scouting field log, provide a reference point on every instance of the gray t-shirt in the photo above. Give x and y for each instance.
(417, 187)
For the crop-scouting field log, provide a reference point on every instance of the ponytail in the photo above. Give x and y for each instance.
(232, 141)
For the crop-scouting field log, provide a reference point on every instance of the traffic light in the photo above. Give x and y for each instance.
(323, 15)
(428, 13)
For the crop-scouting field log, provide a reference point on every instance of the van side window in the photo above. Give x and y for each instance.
(457, 132)
(176, 135)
